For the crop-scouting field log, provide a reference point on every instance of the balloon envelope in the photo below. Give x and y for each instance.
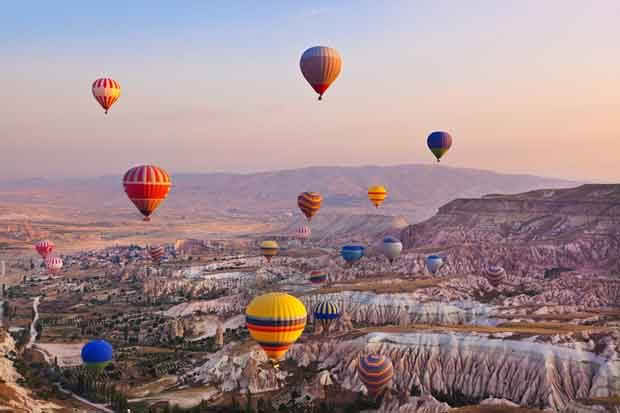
(434, 263)
(309, 203)
(320, 66)
(147, 186)
(495, 275)
(352, 253)
(318, 277)
(53, 264)
(275, 321)
(439, 143)
(377, 194)
(97, 354)
(376, 372)
(391, 248)
(303, 232)
(326, 313)
(269, 249)
(157, 253)
(44, 248)
(106, 91)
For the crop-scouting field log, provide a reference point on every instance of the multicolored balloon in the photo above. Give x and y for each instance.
(157, 253)
(352, 253)
(391, 248)
(376, 372)
(439, 143)
(97, 354)
(147, 186)
(44, 248)
(377, 194)
(106, 91)
(495, 275)
(309, 203)
(434, 263)
(326, 313)
(320, 66)
(318, 277)
(275, 321)
(269, 249)
(53, 264)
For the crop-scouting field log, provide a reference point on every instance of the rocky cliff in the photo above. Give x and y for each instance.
(13, 397)
(529, 233)
(527, 373)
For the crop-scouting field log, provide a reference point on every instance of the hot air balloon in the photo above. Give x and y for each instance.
(495, 275)
(146, 186)
(269, 249)
(97, 354)
(352, 253)
(157, 253)
(320, 66)
(275, 321)
(303, 232)
(439, 143)
(106, 91)
(326, 313)
(309, 203)
(53, 264)
(376, 372)
(377, 194)
(318, 277)
(434, 263)
(391, 248)
(44, 248)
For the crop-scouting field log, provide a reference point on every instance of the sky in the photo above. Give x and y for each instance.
(523, 86)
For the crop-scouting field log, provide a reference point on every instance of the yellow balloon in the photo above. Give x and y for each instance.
(377, 194)
(275, 322)
(269, 249)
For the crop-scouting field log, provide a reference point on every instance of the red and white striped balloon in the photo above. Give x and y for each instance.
(53, 264)
(106, 91)
(303, 232)
(156, 253)
(44, 247)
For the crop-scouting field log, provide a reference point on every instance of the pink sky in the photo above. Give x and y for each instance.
(528, 87)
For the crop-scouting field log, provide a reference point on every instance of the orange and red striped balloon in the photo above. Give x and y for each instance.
(147, 186)
(309, 203)
(320, 66)
(106, 91)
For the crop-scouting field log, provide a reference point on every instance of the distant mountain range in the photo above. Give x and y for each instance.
(415, 191)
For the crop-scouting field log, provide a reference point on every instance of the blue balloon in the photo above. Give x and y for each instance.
(434, 263)
(352, 253)
(97, 351)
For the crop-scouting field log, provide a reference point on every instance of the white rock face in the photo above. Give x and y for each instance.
(249, 371)
(530, 374)
(381, 309)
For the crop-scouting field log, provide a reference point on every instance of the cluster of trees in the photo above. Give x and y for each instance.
(95, 387)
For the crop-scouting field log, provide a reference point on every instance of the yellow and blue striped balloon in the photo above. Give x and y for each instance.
(275, 322)
(326, 313)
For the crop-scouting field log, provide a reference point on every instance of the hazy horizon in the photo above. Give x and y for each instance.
(524, 87)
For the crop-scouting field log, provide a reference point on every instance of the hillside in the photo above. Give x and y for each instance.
(576, 228)
(415, 191)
